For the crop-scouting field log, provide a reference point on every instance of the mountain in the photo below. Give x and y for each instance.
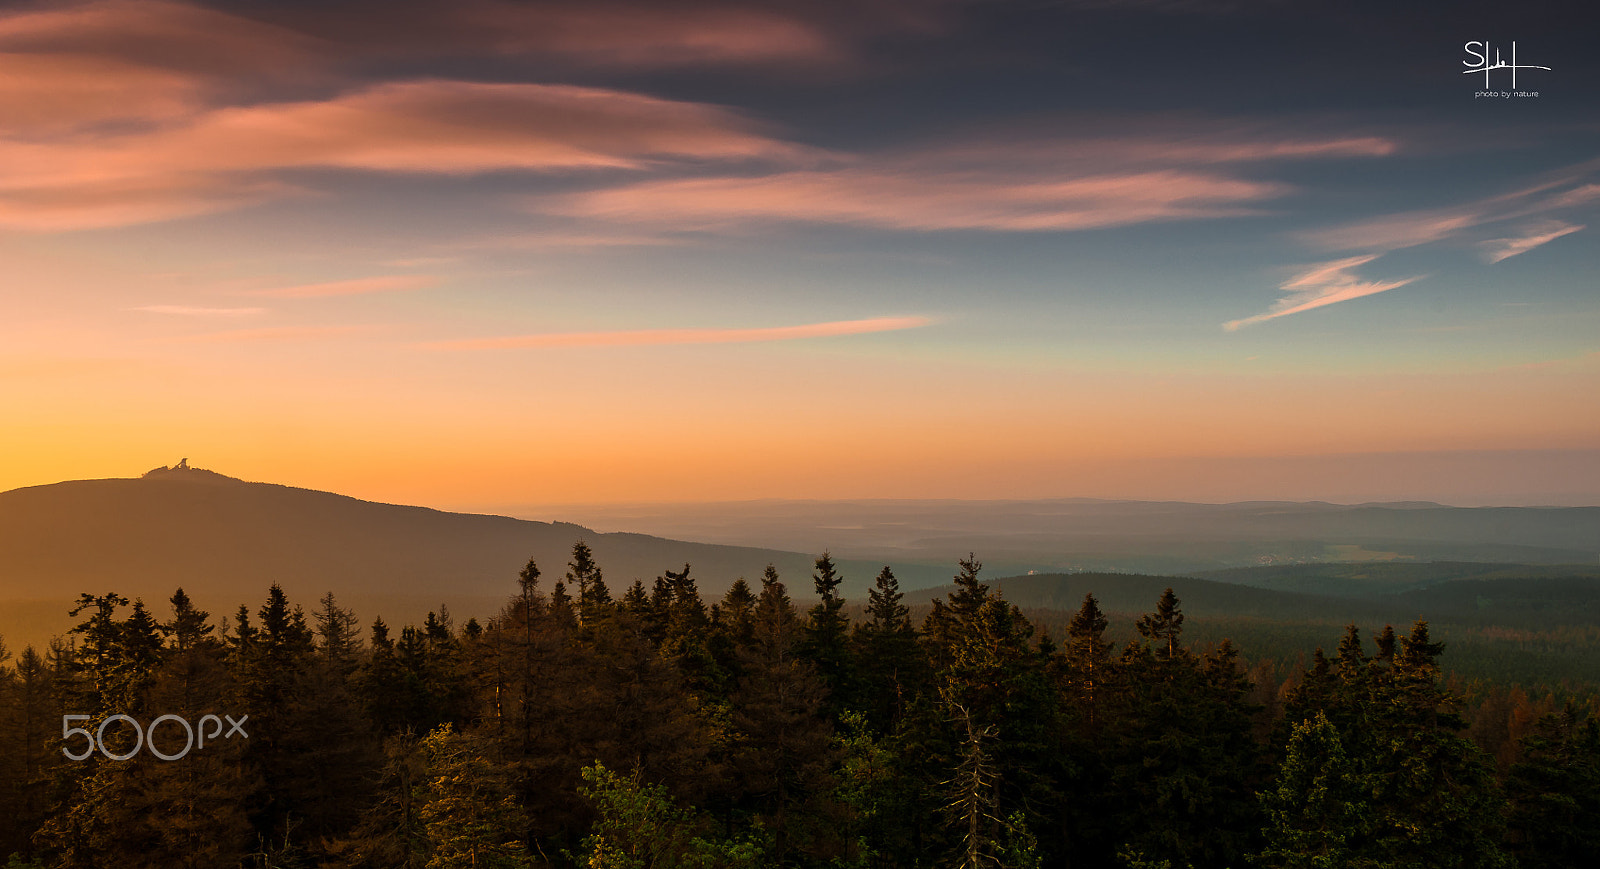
(225, 541)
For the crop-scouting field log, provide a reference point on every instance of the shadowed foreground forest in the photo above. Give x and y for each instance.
(644, 728)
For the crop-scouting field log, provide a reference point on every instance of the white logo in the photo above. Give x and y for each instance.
(97, 739)
(1480, 52)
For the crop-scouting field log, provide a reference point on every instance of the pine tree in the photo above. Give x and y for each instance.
(786, 749)
(594, 599)
(1163, 626)
(891, 670)
(467, 811)
(825, 641)
(196, 808)
(970, 594)
(1088, 662)
(1182, 760)
(190, 627)
(1319, 811)
(1432, 794)
(268, 673)
(338, 636)
(327, 746)
(563, 615)
(1555, 793)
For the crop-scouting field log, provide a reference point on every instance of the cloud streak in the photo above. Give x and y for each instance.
(880, 197)
(353, 287)
(1390, 232)
(652, 337)
(223, 158)
(277, 335)
(1498, 249)
(193, 311)
(1040, 181)
(1319, 286)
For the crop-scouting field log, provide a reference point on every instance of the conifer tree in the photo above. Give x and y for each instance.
(890, 666)
(1555, 793)
(563, 615)
(825, 641)
(1163, 627)
(327, 749)
(1088, 661)
(636, 602)
(1319, 811)
(1183, 762)
(736, 613)
(594, 599)
(786, 749)
(467, 811)
(1433, 798)
(196, 808)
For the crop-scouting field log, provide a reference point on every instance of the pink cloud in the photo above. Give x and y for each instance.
(432, 127)
(1499, 249)
(1173, 142)
(1410, 229)
(1395, 231)
(277, 334)
(645, 337)
(884, 198)
(353, 287)
(159, 35)
(1049, 180)
(55, 204)
(643, 35)
(194, 311)
(1319, 286)
(43, 95)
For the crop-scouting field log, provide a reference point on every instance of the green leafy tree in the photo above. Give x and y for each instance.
(640, 826)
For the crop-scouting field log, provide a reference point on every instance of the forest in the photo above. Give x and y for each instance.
(646, 728)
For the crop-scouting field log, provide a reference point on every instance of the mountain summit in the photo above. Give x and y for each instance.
(183, 471)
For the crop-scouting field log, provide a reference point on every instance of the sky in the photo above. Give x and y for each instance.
(488, 252)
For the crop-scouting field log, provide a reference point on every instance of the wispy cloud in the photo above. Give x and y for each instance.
(353, 287)
(158, 34)
(277, 334)
(634, 35)
(1564, 190)
(223, 158)
(884, 198)
(1497, 249)
(645, 337)
(194, 311)
(1041, 181)
(1319, 286)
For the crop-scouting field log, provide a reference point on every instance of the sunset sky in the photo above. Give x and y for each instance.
(485, 253)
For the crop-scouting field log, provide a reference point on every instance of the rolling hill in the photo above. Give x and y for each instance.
(226, 540)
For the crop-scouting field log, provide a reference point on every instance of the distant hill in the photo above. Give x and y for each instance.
(1074, 534)
(226, 540)
(1534, 628)
(1388, 577)
(1521, 597)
